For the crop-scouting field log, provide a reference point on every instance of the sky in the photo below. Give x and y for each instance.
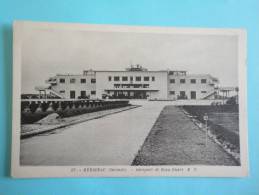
(47, 52)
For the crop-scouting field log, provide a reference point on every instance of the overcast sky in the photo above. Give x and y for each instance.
(48, 52)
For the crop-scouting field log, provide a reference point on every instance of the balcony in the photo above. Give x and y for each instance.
(131, 86)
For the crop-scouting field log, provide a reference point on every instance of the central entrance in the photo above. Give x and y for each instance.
(130, 95)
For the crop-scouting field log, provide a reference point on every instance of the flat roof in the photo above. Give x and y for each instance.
(110, 71)
(151, 71)
(69, 75)
(130, 71)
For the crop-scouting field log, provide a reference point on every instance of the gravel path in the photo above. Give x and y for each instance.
(176, 140)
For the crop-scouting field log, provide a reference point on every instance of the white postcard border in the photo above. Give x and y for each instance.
(126, 171)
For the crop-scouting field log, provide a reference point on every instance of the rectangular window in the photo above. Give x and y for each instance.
(83, 94)
(93, 80)
(203, 80)
(138, 78)
(110, 78)
(72, 94)
(124, 78)
(172, 80)
(182, 81)
(193, 95)
(93, 92)
(146, 86)
(182, 94)
(62, 91)
(153, 78)
(203, 91)
(172, 92)
(73, 80)
(146, 78)
(193, 81)
(83, 80)
(137, 86)
(117, 85)
(62, 80)
(116, 78)
(131, 78)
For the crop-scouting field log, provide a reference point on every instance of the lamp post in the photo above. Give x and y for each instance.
(205, 118)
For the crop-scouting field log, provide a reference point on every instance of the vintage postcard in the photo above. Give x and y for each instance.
(128, 101)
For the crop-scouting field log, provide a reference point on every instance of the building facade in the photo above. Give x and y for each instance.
(73, 86)
(134, 83)
(192, 86)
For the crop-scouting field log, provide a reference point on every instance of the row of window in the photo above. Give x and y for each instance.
(125, 78)
(182, 92)
(131, 78)
(193, 81)
(131, 85)
(73, 93)
(73, 80)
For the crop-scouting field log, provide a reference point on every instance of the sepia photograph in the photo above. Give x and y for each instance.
(119, 101)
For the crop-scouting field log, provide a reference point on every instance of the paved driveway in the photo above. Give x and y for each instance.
(112, 140)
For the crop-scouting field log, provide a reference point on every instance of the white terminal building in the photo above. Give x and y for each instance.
(133, 83)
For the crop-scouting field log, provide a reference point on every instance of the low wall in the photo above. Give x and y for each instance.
(201, 110)
(192, 102)
(36, 109)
